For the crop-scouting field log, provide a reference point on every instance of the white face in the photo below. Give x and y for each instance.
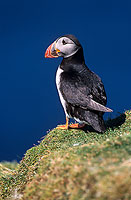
(66, 46)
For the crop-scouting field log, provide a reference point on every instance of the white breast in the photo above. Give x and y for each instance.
(58, 76)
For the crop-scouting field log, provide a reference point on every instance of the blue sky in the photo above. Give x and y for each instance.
(29, 103)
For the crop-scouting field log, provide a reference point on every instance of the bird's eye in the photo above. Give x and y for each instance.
(64, 42)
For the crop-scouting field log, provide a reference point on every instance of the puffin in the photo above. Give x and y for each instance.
(81, 91)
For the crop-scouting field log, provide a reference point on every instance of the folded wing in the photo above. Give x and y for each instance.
(75, 97)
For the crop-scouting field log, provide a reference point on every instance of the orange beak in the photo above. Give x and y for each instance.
(51, 51)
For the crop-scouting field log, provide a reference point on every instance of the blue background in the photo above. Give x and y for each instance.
(29, 103)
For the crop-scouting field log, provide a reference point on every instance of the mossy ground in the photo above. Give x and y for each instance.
(75, 165)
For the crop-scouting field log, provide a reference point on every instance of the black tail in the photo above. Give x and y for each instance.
(99, 125)
(91, 117)
(95, 119)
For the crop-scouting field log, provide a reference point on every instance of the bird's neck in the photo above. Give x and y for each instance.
(74, 62)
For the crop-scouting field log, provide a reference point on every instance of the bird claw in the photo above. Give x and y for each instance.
(63, 127)
(76, 125)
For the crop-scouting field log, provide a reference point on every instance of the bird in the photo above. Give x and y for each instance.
(81, 91)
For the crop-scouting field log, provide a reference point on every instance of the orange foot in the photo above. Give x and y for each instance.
(76, 125)
(64, 127)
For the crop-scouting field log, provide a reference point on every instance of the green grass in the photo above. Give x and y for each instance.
(74, 165)
(10, 165)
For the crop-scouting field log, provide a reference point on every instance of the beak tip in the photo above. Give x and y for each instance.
(49, 53)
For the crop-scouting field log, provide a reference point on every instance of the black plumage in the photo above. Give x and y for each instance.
(82, 89)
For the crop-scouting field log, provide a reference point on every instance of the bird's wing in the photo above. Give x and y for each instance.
(75, 96)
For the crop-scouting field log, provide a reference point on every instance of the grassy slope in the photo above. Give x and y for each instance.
(74, 164)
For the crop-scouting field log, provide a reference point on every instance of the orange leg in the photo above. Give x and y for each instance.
(65, 127)
(76, 125)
